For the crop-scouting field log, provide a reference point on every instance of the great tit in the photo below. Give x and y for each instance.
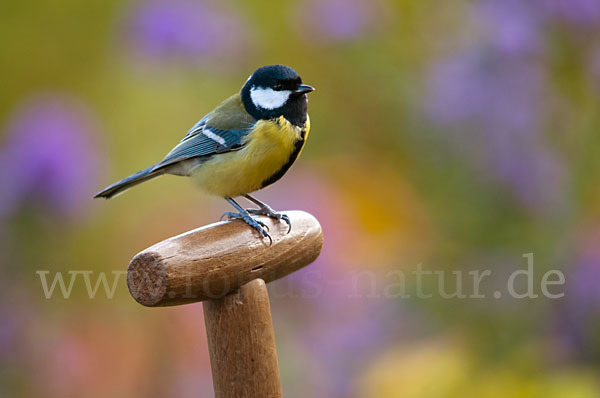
(247, 142)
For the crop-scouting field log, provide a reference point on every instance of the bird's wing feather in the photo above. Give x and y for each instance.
(220, 131)
(196, 129)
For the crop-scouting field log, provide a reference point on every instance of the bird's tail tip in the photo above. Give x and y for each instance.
(101, 194)
(126, 183)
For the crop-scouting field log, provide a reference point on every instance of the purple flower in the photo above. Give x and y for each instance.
(493, 105)
(336, 20)
(510, 26)
(49, 156)
(577, 321)
(183, 30)
(343, 341)
(343, 327)
(579, 13)
(582, 285)
(485, 87)
(594, 68)
(8, 331)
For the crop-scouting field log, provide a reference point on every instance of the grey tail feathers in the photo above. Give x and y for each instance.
(128, 182)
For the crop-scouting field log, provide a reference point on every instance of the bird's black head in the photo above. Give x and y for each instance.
(276, 90)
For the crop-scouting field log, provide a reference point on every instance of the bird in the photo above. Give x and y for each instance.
(246, 143)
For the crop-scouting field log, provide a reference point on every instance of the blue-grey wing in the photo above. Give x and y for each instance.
(205, 140)
(197, 128)
(222, 130)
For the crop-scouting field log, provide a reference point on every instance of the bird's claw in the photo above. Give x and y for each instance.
(258, 225)
(267, 211)
(230, 215)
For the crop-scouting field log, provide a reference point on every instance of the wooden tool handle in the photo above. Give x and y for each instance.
(241, 343)
(212, 261)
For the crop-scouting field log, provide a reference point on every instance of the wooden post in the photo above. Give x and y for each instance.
(242, 344)
(226, 265)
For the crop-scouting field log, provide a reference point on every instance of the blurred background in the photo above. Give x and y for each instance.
(456, 136)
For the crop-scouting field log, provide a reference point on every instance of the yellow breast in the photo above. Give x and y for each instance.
(266, 150)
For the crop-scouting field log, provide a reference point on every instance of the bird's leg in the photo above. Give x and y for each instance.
(260, 226)
(266, 210)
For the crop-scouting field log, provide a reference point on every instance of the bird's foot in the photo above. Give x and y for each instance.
(269, 212)
(258, 225)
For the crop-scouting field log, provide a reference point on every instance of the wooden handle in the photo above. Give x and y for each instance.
(212, 261)
(241, 343)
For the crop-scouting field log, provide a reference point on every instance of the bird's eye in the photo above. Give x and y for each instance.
(278, 87)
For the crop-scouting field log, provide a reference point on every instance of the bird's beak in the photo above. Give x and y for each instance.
(304, 89)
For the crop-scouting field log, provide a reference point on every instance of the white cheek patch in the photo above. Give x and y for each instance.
(267, 98)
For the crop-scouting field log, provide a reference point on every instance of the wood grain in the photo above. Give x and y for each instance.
(241, 343)
(212, 261)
